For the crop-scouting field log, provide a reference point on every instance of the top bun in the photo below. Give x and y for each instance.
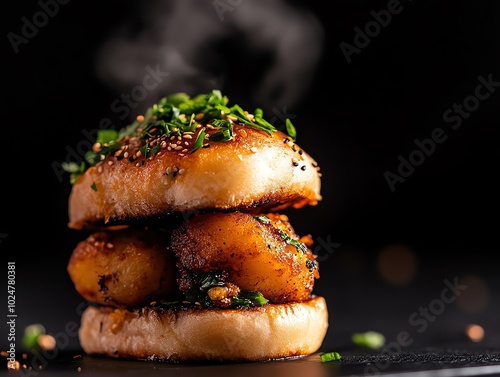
(196, 162)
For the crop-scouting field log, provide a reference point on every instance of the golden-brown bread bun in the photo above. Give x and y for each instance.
(272, 331)
(252, 171)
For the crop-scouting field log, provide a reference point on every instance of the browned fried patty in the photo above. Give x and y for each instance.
(132, 267)
(252, 254)
(251, 172)
(125, 267)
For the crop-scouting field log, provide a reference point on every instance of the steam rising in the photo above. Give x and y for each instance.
(266, 51)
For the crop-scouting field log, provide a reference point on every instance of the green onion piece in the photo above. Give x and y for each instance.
(263, 219)
(106, 136)
(329, 356)
(249, 298)
(198, 143)
(290, 129)
(369, 339)
(31, 335)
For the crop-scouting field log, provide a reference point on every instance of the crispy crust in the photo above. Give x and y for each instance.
(252, 172)
(197, 335)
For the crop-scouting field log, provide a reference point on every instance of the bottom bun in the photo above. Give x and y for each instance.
(272, 331)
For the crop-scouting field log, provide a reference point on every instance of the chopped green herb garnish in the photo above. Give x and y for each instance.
(74, 169)
(249, 298)
(289, 240)
(31, 335)
(311, 265)
(176, 115)
(263, 219)
(93, 186)
(199, 141)
(203, 282)
(290, 129)
(284, 236)
(369, 339)
(329, 356)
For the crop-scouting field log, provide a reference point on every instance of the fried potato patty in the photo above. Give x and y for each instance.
(123, 268)
(263, 254)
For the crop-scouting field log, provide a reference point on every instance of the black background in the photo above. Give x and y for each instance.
(354, 118)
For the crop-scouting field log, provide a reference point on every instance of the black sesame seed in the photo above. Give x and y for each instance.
(295, 164)
(303, 167)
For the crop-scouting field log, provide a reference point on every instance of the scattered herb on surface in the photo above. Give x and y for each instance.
(369, 339)
(329, 356)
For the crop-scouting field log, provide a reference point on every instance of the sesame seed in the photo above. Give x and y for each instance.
(140, 118)
(184, 150)
(199, 116)
(163, 144)
(294, 160)
(138, 153)
(207, 145)
(243, 133)
(178, 148)
(125, 154)
(96, 147)
(295, 164)
(187, 136)
(181, 171)
(99, 169)
(303, 167)
(286, 141)
(173, 145)
(169, 148)
(137, 164)
(179, 138)
(109, 245)
(186, 143)
(253, 149)
(301, 151)
(169, 170)
(198, 125)
(110, 162)
(175, 129)
(172, 137)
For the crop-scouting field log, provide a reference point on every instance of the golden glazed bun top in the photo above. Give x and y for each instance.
(193, 163)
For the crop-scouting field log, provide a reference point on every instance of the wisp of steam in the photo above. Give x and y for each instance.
(262, 50)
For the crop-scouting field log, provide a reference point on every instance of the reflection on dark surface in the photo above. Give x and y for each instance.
(353, 363)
